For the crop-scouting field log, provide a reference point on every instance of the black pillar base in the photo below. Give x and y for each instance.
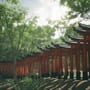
(85, 76)
(66, 75)
(78, 76)
(71, 75)
(54, 74)
(45, 75)
(60, 75)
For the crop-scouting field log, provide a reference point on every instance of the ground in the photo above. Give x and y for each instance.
(46, 84)
(61, 84)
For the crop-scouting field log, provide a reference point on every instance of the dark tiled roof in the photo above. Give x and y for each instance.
(84, 26)
(82, 31)
(75, 38)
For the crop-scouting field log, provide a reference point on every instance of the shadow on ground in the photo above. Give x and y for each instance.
(61, 84)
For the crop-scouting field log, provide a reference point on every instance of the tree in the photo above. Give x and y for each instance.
(79, 10)
(78, 7)
(19, 37)
(9, 33)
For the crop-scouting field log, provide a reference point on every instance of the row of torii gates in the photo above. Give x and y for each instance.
(71, 60)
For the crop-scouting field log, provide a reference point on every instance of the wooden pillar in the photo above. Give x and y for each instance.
(60, 67)
(53, 66)
(57, 62)
(77, 62)
(71, 64)
(39, 59)
(89, 57)
(46, 64)
(45, 68)
(29, 66)
(56, 66)
(85, 75)
(54, 62)
(42, 65)
(65, 66)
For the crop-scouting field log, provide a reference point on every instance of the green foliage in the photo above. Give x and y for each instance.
(80, 6)
(79, 10)
(11, 1)
(20, 37)
(29, 84)
(9, 34)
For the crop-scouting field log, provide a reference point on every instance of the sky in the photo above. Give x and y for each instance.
(45, 10)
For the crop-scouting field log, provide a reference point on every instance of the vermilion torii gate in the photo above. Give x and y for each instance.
(85, 31)
(55, 58)
(82, 51)
(53, 62)
(66, 61)
(71, 60)
(81, 62)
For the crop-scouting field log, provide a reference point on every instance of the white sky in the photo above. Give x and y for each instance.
(45, 10)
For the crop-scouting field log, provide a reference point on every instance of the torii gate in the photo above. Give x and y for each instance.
(81, 49)
(81, 45)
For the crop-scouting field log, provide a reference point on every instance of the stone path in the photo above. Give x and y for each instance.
(61, 84)
(55, 84)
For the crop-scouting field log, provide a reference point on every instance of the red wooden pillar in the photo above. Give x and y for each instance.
(87, 38)
(51, 62)
(28, 59)
(60, 66)
(55, 55)
(89, 58)
(65, 65)
(53, 65)
(77, 62)
(85, 76)
(26, 69)
(11, 69)
(6, 69)
(57, 62)
(17, 69)
(30, 65)
(45, 65)
(23, 70)
(71, 63)
(0, 68)
(41, 64)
